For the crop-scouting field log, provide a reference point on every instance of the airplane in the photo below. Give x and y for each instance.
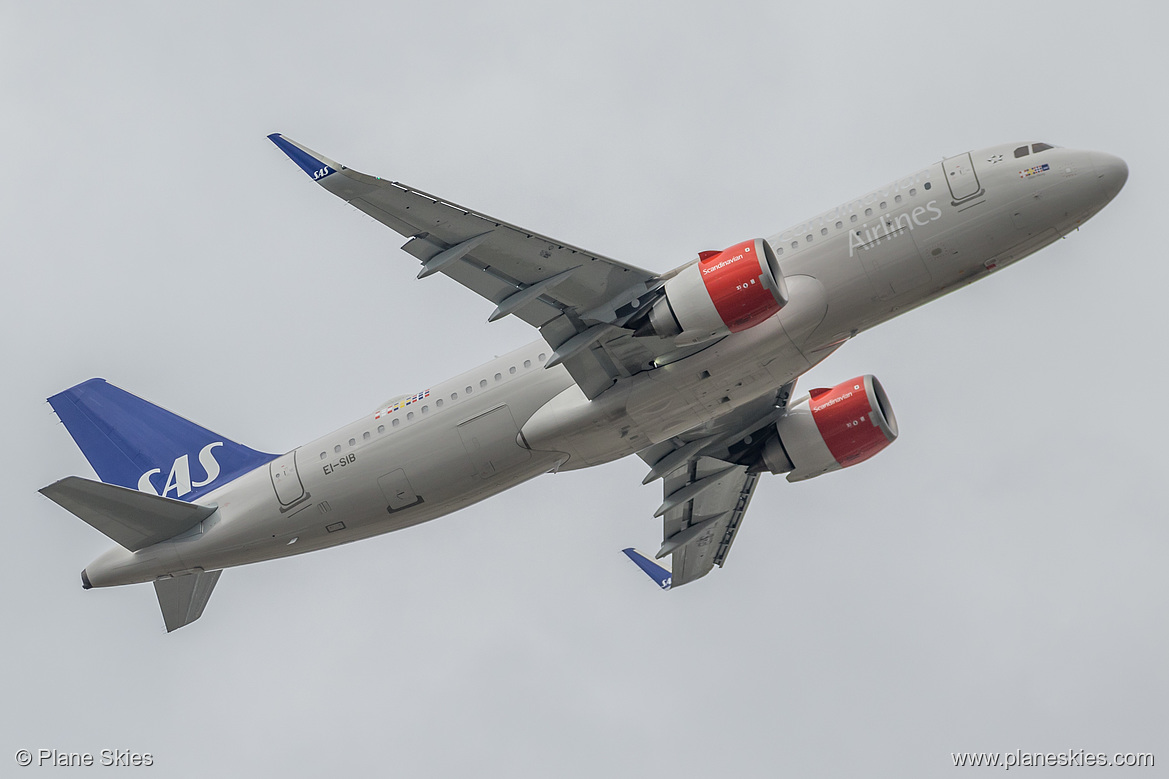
(692, 370)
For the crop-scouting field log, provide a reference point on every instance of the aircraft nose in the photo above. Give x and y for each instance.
(1111, 172)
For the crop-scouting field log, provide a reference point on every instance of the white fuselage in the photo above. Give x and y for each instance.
(511, 419)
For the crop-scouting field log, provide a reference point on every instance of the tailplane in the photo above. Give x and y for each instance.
(137, 445)
(129, 517)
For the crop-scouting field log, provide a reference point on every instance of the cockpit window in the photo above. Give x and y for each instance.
(1022, 151)
(1038, 147)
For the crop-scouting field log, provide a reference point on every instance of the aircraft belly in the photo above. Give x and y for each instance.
(656, 405)
(412, 476)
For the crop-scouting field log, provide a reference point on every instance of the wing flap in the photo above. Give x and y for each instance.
(707, 486)
(715, 515)
(133, 519)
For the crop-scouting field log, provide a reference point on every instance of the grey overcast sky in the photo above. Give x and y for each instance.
(995, 581)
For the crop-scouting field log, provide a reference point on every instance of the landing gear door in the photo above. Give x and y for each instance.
(962, 178)
(286, 481)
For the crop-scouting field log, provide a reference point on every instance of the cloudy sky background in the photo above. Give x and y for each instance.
(995, 581)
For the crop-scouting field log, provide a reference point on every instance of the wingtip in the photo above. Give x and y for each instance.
(315, 165)
(661, 575)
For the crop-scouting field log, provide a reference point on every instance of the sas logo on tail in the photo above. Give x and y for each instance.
(179, 479)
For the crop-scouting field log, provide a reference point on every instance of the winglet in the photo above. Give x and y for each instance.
(661, 575)
(316, 165)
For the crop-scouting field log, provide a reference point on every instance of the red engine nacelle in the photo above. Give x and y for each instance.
(724, 292)
(832, 429)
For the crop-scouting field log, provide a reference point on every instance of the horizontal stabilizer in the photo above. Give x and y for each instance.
(656, 571)
(183, 598)
(133, 519)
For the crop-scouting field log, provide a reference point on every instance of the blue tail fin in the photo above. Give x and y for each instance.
(136, 444)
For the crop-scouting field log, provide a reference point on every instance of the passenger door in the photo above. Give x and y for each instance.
(286, 481)
(962, 178)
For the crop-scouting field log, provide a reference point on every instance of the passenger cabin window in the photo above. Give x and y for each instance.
(352, 441)
(381, 429)
(365, 436)
(1022, 151)
(1038, 147)
(337, 449)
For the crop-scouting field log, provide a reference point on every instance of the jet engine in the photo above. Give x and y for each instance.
(724, 292)
(831, 429)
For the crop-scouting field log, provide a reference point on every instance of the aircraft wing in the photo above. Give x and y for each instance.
(706, 486)
(578, 300)
(698, 531)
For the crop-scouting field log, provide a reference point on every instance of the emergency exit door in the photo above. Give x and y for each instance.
(286, 481)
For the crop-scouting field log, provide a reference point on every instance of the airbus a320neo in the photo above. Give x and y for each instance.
(693, 370)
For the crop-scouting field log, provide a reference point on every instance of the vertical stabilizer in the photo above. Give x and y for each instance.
(135, 444)
(183, 598)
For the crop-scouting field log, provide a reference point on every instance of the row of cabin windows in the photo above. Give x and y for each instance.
(396, 421)
(840, 224)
